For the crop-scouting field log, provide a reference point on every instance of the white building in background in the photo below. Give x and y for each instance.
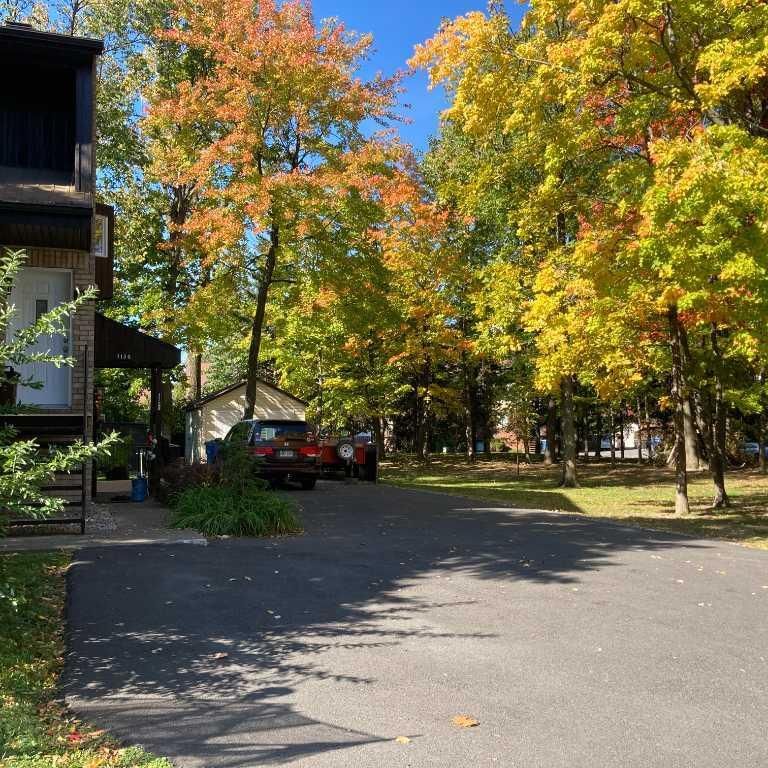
(213, 416)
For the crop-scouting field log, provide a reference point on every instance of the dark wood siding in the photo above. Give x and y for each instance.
(45, 227)
(84, 130)
(37, 122)
(105, 267)
(120, 346)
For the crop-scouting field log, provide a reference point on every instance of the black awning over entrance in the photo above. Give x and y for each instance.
(120, 346)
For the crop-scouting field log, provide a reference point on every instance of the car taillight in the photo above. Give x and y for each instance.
(263, 451)
(310, 450)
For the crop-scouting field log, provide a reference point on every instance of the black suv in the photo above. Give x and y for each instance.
(283, 449)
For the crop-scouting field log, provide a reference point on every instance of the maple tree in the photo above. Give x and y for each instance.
(601, 120)
(282, 108)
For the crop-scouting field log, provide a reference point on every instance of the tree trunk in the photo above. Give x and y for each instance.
(197, 375)
(693, 460)
(550, 454)
(470, 410)
(426, 434)
(599, 445)
(717, 460)
(570, 478)
(761, 441)
(621, 432)
(681, 474)
(613, 437)
(378, 436)
(420, 421)
(692, 453)
(258, 323)
(585, 434)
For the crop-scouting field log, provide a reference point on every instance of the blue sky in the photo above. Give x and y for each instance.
(397, 26)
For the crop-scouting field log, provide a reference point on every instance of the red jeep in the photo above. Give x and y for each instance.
(353, 455)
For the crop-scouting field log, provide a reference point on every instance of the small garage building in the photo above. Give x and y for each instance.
(213, 416)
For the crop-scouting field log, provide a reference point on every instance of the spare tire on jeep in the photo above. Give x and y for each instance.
(345, 450)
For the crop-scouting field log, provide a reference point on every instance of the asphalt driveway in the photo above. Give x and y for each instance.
(573, 642)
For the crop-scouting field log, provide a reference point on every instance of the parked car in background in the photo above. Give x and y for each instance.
(752, 449)
(284, 450)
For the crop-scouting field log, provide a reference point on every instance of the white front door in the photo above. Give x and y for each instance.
(36, 292)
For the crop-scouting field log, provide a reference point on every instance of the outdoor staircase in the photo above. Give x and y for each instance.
(52, 431)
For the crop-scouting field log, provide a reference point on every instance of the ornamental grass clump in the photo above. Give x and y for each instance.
(224, 511)
(229, 500)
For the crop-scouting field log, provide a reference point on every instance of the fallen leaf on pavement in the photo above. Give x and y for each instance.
(403, 740)
(465, 721)
(220, 655)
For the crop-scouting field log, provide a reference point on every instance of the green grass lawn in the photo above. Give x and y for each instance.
(36, 731)
(639, 495)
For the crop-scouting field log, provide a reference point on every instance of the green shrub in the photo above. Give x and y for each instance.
(226, 511)
(178, 477)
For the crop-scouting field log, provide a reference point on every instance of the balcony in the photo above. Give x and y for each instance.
(46, 138)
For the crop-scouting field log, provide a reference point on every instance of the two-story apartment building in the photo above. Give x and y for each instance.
(48, 210)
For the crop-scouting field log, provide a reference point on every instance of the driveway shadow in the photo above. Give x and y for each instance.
(200, 653)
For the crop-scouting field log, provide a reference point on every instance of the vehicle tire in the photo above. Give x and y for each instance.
(371, 468)
(308, 483)
(345, 450)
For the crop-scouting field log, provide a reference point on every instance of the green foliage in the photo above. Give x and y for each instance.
(122, 390)
(238, 468)
(179, 476)
(118, 456)
(226, 498)
(226, 511)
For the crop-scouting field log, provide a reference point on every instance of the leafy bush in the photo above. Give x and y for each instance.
(238, 467)
(178, 477)
(226, 511)
(226, 498)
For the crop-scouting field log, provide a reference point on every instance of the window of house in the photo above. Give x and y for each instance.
(101, 236)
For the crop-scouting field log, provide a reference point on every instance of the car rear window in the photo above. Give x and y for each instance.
(239, 431)
(264, 431)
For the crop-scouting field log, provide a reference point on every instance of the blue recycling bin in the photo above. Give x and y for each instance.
(212, 450)
(139, 489)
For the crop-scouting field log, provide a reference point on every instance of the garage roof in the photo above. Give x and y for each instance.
(227, 390)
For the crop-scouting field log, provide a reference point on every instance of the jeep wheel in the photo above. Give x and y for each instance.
(308, 483)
